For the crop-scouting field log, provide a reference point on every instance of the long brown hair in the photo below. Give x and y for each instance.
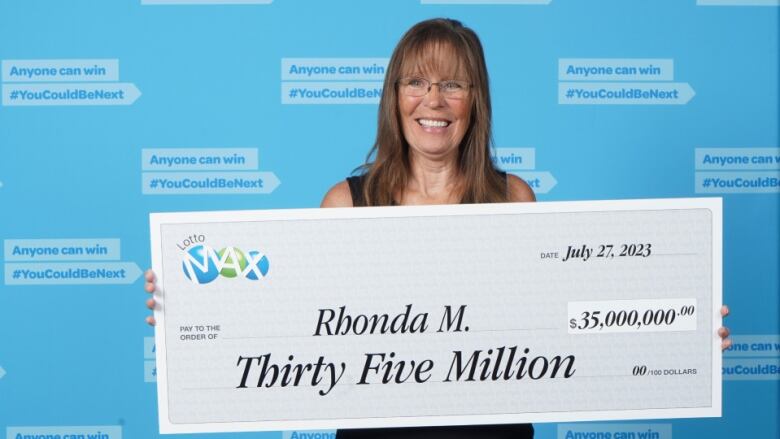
(389, 172)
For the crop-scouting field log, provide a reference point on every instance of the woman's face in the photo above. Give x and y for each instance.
(434, 125)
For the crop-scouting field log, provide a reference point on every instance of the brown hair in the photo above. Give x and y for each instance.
(389, 173)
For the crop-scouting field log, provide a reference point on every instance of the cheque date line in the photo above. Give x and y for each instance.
(607, 251)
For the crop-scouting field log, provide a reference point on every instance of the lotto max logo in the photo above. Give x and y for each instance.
(202, 264)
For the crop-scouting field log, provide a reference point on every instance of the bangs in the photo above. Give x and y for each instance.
(435, 58)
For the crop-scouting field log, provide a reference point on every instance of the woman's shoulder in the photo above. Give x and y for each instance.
(518, 189)
(338, 196)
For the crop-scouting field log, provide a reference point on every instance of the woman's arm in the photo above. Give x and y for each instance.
(338, 196)
(518, 189)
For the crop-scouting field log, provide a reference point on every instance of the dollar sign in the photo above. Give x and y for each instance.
(573, 323)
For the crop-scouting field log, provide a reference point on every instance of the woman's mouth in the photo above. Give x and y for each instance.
(433, 123)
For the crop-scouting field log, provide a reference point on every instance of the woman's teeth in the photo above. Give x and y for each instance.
(433, 123)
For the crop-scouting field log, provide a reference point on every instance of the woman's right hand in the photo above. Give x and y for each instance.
(150, 286)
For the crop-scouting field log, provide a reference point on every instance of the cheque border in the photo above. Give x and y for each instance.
(713, 204)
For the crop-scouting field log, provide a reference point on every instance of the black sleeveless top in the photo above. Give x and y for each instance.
(516, 431)
(356, 189)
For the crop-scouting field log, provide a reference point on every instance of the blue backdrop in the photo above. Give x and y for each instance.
(114, 109)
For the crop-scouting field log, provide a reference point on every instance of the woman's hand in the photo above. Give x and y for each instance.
(723, 331)
(150, 286)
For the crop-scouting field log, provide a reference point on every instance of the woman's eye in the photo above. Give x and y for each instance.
(415, 82)
(451, 86)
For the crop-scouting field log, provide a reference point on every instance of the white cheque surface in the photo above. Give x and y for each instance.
(437, 315)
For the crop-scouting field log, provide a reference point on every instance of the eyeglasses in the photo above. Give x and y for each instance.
(417, 87)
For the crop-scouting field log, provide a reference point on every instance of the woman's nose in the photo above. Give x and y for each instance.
(434, 97)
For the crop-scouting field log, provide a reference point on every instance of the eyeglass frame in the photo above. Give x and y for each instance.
(467, 86)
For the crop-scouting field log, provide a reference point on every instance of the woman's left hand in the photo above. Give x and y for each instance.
(724, 331)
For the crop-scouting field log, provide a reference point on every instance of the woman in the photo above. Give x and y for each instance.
(432, 147)
(433, 135)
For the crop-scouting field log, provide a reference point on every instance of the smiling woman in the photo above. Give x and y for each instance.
(434, 128)
(433, 147)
